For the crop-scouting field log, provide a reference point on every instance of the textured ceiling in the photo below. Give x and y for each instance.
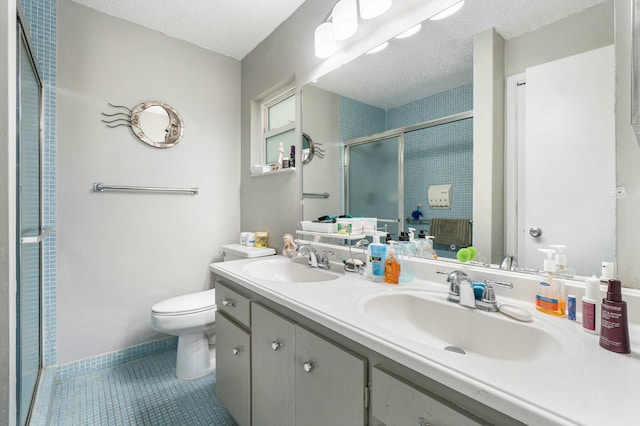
(230, 27)
(440, 56)
(441, 53)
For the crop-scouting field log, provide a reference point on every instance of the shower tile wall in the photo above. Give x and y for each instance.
(41, 18)
(434, 156)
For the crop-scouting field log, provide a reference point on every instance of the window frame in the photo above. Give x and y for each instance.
(265, 105)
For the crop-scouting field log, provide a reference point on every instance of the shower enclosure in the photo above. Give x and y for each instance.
(388, 174)
(29, 113)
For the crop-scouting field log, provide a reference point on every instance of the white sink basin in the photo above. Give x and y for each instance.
(294, 271)
(427, 318)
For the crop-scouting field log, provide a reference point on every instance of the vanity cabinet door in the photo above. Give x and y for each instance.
(329, 381)
(272, 354)
(233, 369)
(396, 402)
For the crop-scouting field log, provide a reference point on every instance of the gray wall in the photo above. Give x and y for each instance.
(120, 253)
(320, 114)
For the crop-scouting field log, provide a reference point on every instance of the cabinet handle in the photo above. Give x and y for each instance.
(275, 345)
(236, 350)
(308, 366)
(229, 303)
(423, 422)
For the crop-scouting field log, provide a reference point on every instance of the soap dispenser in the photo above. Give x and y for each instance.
(550, 289)
(391, 266)
(562, 270)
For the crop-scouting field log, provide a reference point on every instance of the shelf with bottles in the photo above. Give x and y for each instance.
(339, 236)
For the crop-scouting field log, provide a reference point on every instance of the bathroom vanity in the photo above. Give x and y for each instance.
(328, 347)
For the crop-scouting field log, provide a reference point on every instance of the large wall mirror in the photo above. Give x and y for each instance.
(407, 113)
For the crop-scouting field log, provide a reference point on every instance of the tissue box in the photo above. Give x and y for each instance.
(329, 228)
(358, 225)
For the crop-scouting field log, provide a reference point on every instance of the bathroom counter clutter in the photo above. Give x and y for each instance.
(546, 371)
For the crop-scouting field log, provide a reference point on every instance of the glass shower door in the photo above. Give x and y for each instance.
(373, 181)
(29, 223)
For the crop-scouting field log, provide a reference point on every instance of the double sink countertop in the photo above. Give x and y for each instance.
(547, 371)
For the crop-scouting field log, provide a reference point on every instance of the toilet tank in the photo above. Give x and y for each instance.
(238, 251)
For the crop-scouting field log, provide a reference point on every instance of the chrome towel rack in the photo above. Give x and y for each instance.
(101, 187)
(315, 195)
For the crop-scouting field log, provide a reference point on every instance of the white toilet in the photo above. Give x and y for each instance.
(191, 317)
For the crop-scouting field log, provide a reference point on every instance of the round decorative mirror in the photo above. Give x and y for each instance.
(157, 124)
(310, 149)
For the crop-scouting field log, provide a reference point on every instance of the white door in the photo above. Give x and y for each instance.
(567, 187)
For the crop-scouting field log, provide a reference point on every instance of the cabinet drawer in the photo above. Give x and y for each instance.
(396, 402)
(233, 304)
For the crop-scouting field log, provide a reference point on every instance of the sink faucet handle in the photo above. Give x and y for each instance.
(499, 283)
(325, 258)
(488, 294)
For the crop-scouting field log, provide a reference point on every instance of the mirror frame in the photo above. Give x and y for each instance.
(174, 130)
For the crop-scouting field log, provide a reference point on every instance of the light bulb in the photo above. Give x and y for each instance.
(448, 11)
(345, 19)
(370, 9)
(324, 41)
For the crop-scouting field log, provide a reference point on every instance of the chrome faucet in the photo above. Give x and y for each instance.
(453, 278)
(509, 263)
(461, 291)
(315, 261)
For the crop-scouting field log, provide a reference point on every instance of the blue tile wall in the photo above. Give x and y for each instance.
(434, 156)
(41, 16)
(113, 359)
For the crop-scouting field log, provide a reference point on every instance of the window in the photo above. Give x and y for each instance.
(278, 125)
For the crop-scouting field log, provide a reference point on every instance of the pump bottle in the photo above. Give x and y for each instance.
(550, 290)
(591, 306)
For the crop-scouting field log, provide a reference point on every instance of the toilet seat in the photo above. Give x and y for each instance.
(186, 304)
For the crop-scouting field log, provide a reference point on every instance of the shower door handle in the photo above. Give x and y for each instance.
(36, 238)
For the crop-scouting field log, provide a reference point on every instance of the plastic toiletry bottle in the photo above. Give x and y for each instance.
(391, 266)
(614, 330)
(549, 294)
(377, 254)
(562, 270)
(591, 306)
(292, 156)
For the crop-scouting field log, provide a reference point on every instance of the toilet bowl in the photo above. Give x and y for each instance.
(191, 317)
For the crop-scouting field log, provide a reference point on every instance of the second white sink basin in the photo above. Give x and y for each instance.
(427, 318)
(283, 269)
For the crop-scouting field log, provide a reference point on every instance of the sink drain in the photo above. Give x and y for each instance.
(455, 349)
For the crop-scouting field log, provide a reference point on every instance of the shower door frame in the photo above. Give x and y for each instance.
(397, 133)
(399, 138)
(23, 38)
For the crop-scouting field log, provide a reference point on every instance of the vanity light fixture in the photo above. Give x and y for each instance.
(370, 9)
(342, 23)
(324, 40)
(345, 19)
(378, 48)
(448, 11)
(411, 31)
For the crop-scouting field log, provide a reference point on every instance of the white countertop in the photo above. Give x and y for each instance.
(584, 385)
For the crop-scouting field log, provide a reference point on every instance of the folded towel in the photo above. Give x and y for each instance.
(449, 232)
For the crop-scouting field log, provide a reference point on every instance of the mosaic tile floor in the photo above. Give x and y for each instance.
(144, 392)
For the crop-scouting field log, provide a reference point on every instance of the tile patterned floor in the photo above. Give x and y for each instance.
(144, 392)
